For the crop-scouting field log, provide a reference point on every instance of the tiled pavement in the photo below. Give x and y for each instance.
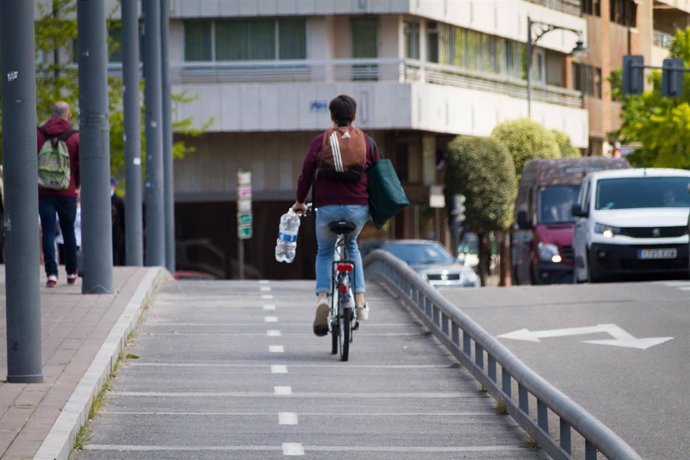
(82, 335)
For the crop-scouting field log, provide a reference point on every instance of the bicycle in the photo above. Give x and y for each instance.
(342, 316)
(343, 319)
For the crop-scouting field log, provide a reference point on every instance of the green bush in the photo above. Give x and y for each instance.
(566, 148)
(482, 169)
(526, 140)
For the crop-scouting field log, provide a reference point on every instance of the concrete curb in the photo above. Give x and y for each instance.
(60, 440)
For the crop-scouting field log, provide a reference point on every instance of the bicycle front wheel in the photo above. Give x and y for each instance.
(344, 333)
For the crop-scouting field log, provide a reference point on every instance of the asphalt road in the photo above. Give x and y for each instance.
(641, 394)
(231, 369)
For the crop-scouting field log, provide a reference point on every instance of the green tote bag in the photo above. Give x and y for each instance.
(386, 194)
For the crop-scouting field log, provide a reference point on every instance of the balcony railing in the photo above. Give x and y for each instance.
(662, 39)
(368, 70)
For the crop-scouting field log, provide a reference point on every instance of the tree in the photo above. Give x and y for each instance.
(526, 140)
(482, 169)
(658, 126)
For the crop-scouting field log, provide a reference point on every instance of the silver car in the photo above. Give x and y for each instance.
(432, 261)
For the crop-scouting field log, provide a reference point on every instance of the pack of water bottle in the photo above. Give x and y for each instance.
(286, 244)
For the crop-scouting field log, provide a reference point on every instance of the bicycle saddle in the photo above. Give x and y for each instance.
(342, 227)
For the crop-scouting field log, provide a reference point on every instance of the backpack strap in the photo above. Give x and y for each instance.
(66, 135)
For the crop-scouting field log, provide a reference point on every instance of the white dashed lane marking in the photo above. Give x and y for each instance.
(287, 418)
(269, 307)
(293, 449)
(273, 333)
(271, 319)
(282, 390)
(279, 369)
(276, 349)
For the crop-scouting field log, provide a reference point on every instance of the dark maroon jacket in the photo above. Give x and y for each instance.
(331, 192)
(55, 127)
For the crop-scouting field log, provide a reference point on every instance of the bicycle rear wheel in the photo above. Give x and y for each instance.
(344, 332)
(334, 336)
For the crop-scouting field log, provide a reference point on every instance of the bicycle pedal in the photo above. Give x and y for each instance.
(356, 326)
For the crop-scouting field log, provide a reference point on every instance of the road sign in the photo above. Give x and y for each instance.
(244, 191)
(244, 177)
(244, 231)
(244, 218)
(436, 197)
(621, 338)
(244, 204)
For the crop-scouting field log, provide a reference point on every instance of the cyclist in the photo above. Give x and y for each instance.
(336, 199)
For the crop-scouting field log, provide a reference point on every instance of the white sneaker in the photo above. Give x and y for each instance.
(362, 313)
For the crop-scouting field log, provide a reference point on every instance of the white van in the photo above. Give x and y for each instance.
(632, 221)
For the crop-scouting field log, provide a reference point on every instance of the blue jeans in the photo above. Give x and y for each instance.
(358, 215)
(50, 208)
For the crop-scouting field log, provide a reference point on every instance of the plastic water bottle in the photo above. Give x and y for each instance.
(286, 244)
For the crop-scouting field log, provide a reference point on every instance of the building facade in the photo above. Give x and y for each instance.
(422, 72)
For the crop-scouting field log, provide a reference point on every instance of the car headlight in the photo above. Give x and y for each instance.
(607, 231)
(548, 253)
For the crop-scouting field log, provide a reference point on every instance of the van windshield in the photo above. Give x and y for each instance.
(556, 202)
(643, 192)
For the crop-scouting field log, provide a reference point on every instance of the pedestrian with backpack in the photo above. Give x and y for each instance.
(58, 184)
(335, 167)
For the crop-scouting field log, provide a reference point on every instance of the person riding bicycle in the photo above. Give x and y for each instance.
(337, 197)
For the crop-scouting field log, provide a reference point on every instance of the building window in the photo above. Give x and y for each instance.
(432, 42)
(624, 12)
(592, 7)
(412, 39)
(364, 32)
(587, 80)
(481, 52)
(245, 40)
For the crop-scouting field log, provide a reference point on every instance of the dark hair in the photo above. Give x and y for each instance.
(343, 109)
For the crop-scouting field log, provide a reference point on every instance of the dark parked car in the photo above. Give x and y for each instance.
(428, 258)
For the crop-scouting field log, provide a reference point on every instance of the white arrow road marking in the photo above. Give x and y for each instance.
(621, 338)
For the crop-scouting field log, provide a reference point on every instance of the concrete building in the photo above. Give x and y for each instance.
(422, 71)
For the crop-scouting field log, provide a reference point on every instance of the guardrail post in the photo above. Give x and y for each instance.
(565, 436)
(505, 377)
(590, 451)
(522, 398)
(466, 343)
(492, 368)
(542, 416)
(479, 355)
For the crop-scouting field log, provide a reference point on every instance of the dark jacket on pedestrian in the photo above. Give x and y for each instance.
(55, 127)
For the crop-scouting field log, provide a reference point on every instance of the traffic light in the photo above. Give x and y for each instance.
(459, 207)
(672, 78)
(633, 74)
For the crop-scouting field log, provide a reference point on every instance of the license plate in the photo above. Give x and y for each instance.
(656, 254)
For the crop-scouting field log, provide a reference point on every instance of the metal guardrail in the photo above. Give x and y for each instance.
(497, 369)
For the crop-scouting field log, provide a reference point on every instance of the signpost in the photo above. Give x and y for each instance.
(244, 215)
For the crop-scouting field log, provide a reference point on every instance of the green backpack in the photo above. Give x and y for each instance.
(53, 161)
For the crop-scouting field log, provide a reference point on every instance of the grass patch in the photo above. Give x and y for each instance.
(501, 408)
(83, 436)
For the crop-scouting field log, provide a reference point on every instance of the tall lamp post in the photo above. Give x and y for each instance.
(536, 30)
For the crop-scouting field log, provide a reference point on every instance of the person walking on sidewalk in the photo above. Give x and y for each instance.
(60, 201)
(337, 195)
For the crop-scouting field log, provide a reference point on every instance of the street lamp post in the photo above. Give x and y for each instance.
(542, 29)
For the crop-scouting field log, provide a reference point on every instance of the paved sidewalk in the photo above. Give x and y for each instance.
(82, 336)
